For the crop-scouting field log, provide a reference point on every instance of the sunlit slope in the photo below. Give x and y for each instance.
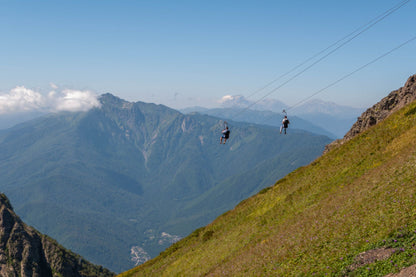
(316, 219)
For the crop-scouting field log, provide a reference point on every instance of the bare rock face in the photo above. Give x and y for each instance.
(26, 252)
(406, 272)
(394, 101)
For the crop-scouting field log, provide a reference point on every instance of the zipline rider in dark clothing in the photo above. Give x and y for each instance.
(225, 135)
(285, 124)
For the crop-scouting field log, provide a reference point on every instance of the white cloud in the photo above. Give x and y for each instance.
(21, 99)
(226, 98)
(75, 100)
(234, 100)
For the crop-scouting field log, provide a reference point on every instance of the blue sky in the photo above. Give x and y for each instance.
(188, 53)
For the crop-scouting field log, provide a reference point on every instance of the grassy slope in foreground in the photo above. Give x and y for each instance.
(316, 219)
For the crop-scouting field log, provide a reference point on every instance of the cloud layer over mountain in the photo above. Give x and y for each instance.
(22, 99)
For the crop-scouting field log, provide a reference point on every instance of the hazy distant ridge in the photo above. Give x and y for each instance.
(315, 116)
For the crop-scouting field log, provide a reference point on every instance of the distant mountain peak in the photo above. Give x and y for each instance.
(315, 106)
(108, 98)
(239, 101)
(109, 95)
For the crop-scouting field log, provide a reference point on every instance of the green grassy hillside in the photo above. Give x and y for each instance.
(316, 220)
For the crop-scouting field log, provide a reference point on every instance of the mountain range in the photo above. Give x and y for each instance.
(351, 212)
(262, 117)
(317, 116)
(120, 183)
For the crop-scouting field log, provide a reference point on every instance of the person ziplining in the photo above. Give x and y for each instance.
(225, 133)
(285, 123)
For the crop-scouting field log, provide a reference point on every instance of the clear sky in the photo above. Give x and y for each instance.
(188, 53)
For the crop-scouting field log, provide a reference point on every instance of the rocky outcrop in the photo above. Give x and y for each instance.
(394, 101)
(406, 272)
(26, 252)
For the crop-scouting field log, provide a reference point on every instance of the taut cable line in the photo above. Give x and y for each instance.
(346, 39)
(379, 17)
(346, 76)
(353, 72)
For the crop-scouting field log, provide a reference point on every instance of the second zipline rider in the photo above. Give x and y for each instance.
(285, 124)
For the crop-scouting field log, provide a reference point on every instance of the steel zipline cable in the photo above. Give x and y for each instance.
(379, 17)
(351, 73)
(346, 76)
(346, 39)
